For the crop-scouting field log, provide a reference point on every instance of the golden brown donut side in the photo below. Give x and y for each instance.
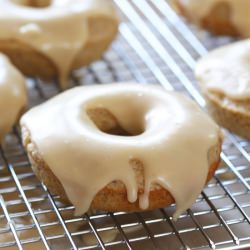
(231, 114)
(113, 197)
(218, 21)
(34, 63)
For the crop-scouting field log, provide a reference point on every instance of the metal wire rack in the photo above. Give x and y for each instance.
(154, 46)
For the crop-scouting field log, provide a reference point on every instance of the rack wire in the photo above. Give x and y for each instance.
(154, 46)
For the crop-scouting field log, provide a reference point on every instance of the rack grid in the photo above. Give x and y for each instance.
(156, 46)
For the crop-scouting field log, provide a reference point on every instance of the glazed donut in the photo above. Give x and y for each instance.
(13, 96)
(122, 147)
(222, 17)
(224, 77)
(52, 41)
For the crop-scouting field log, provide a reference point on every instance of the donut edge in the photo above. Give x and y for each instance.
(230, 114)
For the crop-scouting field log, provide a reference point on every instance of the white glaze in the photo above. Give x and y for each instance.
(199, 9)
(13, 96)
(226, 70)
(59, 31)
(176, 139)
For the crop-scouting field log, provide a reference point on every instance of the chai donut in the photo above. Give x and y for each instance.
(13, 96)
(83, 155)
(222, 17)
(224, 77)
(49, 41)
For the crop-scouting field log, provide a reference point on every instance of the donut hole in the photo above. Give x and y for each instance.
(108, 123)
(33, 3)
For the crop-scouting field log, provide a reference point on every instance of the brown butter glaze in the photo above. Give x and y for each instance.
(167, 127)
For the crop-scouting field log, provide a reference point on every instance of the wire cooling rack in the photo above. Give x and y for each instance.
(154, 46)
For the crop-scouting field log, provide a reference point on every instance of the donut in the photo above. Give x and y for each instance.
(13, 96)
(221, 17)
(49, 39)
(122, 147)
(224, 77)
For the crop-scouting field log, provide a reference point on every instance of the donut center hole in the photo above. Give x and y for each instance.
(108, 123)
(33, 3)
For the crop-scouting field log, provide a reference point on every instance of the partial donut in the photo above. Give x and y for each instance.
(13, 96)
(49, 39)
(224, 77)
(122, 147)
(221, 17)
